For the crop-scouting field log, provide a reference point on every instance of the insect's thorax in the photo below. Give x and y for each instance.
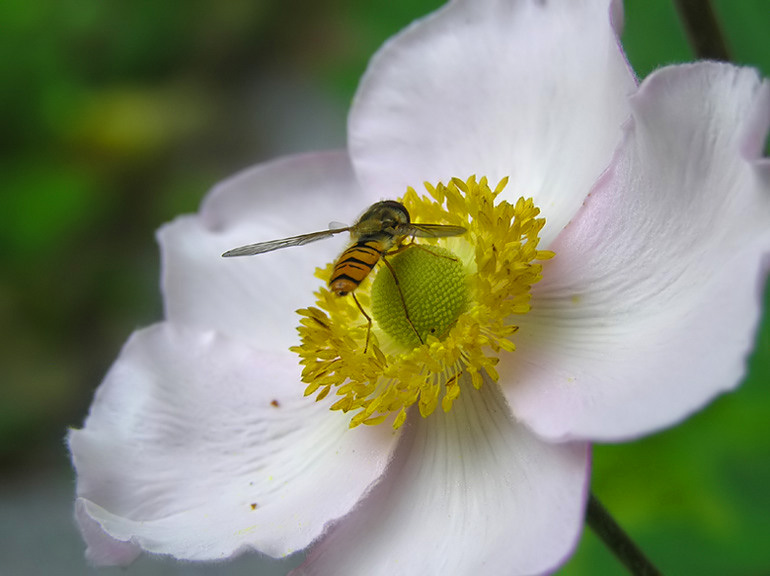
(383, 240)
(382, 218)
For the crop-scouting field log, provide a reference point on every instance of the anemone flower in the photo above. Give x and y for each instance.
(604, 286)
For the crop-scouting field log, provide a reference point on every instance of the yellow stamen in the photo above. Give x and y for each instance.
(464, 324)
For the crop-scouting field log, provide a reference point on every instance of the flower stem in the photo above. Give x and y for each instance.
(613, 536)
(703, 30)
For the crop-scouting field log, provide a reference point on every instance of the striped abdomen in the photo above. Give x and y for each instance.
(354, 265)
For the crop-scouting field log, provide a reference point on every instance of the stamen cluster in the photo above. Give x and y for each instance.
(498, 251)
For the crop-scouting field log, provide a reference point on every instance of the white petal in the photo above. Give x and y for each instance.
(255, 297)
(201, 448)
(651, 305)
(531, 90)
(469, 492)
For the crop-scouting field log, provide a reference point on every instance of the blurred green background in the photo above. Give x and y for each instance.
(118, 115)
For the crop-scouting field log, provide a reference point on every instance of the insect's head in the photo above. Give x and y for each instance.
(388, 213)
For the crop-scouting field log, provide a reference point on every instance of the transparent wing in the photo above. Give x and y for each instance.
(269, 246)
(430, 230)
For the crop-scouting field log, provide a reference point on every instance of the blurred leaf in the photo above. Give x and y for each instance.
(45, 207)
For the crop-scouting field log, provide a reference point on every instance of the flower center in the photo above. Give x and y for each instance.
(442, 310)
(429, 296)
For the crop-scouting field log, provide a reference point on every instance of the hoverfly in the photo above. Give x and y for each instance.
(378, 232)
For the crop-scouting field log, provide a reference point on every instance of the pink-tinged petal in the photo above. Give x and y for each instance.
(532, 90)
(650, 307)
(469, 492)
(199, 447)
(103, 549)
(254, 298)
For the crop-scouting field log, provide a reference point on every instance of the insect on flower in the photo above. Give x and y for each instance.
(380, 231)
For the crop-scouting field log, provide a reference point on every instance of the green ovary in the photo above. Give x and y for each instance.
(433, 284)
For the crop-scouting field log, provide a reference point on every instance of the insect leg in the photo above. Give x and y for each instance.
(368, 319)
(429, 251)
(406, 245)
(403, 301)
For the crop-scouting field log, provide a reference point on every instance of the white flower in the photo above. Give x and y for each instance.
(200, 444)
